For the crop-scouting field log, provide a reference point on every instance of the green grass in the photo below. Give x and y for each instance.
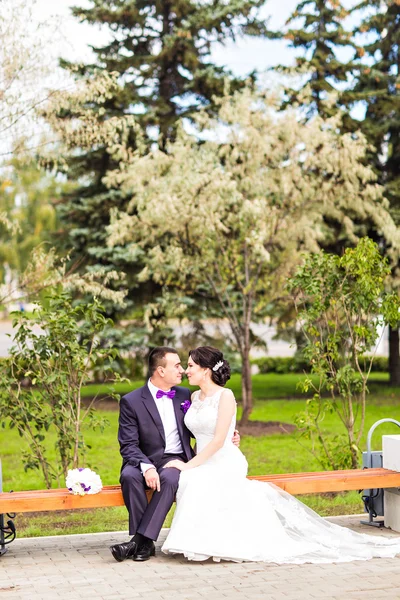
(277, 453)
(270, 386)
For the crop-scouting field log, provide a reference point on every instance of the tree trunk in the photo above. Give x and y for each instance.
(247, 387)
(77, 430)
(353, 451)
(394, 356)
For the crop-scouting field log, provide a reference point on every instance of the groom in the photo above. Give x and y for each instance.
(151, 434)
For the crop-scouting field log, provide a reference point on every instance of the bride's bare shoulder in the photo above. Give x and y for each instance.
(228, 395)
(228, 392)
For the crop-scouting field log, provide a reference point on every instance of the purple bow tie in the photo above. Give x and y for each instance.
(169, 394)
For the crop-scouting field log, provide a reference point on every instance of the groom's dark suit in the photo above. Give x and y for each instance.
(142, 440)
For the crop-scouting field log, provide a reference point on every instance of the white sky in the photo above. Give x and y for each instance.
(71, 39)
(246, 55)
(242, 57)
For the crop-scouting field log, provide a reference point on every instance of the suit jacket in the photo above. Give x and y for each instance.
(141, 434)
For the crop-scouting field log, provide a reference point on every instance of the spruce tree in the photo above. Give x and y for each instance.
(377, 86)
(318, 32)
(372, 77)
(161, 51)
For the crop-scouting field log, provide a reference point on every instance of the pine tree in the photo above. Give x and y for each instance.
(378, 86)
(319, 33)
(161, 51)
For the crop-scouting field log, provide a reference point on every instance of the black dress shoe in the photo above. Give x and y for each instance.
(145, 550)
(123, 551)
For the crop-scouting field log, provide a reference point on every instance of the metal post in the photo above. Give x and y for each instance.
(369, 466)
(370, 432)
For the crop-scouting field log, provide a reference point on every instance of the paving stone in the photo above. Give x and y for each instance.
(70, 567)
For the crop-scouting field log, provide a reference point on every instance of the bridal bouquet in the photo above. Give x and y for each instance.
(83, 481)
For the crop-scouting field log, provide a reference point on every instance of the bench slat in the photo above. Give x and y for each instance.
(315, 485)
(294, 483)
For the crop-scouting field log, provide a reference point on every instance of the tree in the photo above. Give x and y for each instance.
(161, 53)
(28, 263)
(225, 220)
(26, 212)
(27, 198)
(328, 84)
(42, 379)
(316, 31)
(319, 34)
(341, 301)
(25, 65)
(377, 84)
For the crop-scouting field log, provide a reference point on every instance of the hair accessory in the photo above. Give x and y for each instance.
(218, 365)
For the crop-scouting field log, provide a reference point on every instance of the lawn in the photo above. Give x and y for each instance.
(265, 387)
(277, 399)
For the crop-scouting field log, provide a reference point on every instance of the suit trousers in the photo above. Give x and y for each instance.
(148, 518)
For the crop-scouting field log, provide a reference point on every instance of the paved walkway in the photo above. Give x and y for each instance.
(73, 567)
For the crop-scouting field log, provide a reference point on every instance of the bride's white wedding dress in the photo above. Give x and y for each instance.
(223, 515)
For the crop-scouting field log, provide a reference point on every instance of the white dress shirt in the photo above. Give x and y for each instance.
(166, 409)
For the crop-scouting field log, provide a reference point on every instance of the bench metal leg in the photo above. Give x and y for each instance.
(372, 515)
(7, 534)
(7, 530)
(373, 504)
(3, 548)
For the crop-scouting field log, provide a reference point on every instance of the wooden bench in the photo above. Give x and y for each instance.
(294, 483)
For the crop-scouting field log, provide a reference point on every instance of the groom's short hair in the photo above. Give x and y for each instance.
(157, 357)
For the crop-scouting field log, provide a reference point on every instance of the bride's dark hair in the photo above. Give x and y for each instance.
(212, 358)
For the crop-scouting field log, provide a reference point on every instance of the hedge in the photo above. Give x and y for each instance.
(296, 364)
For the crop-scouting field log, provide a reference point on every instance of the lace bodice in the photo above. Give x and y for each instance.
(201, 419)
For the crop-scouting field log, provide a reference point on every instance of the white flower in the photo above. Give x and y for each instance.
(83, 481)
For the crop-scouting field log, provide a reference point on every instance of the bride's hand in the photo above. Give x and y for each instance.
(176, 464)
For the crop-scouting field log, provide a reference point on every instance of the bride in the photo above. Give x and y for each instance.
(222, 514)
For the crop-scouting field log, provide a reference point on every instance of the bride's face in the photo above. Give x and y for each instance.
(195, 373)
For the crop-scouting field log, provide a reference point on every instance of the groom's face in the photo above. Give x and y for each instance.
(173, 370)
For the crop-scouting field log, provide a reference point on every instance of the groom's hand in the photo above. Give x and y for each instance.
(152, 479)
(236, 438)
